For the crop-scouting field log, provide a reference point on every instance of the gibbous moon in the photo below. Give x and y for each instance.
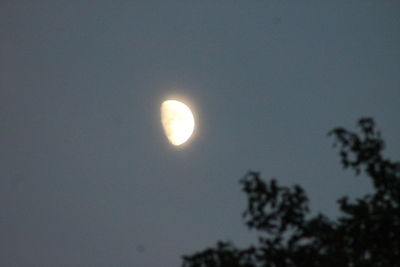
(177, 120)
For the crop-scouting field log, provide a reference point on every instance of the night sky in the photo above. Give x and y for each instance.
(87, 177)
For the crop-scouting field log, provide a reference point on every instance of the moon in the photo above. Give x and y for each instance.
(177, 120)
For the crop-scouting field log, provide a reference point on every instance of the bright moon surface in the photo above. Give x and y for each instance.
(177, 120)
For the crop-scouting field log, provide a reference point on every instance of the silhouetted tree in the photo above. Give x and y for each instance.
(367, 233)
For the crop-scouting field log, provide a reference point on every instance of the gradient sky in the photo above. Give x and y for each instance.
(87, 177)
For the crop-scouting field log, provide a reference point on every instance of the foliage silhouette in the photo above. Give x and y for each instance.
(367, 233)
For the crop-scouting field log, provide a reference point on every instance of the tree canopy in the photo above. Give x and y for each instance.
(366, 233)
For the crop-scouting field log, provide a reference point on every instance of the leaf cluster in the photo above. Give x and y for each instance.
(367, 233)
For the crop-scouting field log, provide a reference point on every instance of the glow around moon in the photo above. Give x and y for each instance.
(177, 120)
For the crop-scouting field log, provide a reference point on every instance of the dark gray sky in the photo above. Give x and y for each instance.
(87, 177)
